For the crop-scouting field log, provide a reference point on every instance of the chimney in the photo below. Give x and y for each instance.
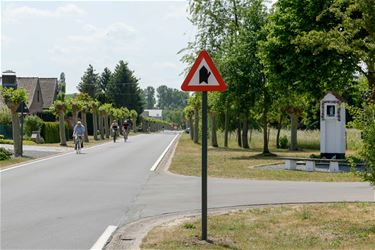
(9, 79)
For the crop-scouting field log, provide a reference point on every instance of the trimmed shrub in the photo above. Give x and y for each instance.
(32, 123)
(5, 154)
(284, 142)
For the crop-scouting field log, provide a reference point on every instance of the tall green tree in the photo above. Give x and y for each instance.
(351, 37)
(294, 72)
(170, 98)
(62, 84)
(102, 93)
(240, 55)
(365, 121)
(89, 82)
(149, 94)
(123, 89)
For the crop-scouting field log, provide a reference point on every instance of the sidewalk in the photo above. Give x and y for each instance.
(38, 151)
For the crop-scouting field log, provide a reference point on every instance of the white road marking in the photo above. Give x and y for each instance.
(101, 242)
(154, 167)
(50, 157)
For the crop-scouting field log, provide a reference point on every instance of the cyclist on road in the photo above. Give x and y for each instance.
(126, 127)
(78, 131)
(114, 127)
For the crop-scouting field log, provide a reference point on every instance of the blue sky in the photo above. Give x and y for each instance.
(47, 38)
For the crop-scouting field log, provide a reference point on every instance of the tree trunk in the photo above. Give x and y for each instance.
(95, 125)
(134, 121)
(75, 117)
(16, 134)
(293, 132)
(245, 128)
(213, 130)
(106, 126)
(371, 80)
(84, 121)
(265, 126)
(101, 126)
(239, 141)
(120, 122)
(110, 125)
(226, 121)
(191, 129)
(196, 125)
(278, 131)
(62, 129)
(250, 137)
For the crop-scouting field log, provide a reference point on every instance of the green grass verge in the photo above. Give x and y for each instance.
(25, 142)
(327, 226)
(235, 162)
(8, 163)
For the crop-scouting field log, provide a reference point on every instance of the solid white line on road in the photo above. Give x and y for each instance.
(101, 242)
(50, 157)
(153, 168)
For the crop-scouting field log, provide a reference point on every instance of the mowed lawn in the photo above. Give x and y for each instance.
(327, 226)
(235, 162)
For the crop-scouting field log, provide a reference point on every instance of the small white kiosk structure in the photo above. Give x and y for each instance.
(332, 127)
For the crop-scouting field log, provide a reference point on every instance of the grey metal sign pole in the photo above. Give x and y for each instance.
(204, 165)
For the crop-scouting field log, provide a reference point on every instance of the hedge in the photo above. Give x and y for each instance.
(50, 132)
(154, 125)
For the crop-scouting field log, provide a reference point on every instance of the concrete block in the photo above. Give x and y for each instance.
(310, 166)
(290, 164)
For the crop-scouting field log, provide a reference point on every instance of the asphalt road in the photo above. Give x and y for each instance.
(67, 202)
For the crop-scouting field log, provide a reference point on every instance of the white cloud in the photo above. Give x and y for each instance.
(69, 9)
(116, 32)
(17, 13)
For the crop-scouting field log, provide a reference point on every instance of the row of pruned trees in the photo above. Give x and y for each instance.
(103, 115)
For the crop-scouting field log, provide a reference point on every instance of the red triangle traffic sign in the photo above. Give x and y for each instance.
(203, 76)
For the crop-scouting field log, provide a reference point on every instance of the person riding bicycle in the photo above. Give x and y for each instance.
(126, 127)
(79, 130)
(114, 127)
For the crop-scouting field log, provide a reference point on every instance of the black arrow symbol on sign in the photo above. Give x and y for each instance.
(204, 75)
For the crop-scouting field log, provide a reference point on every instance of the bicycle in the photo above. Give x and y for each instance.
(78, 143)
(126, 133)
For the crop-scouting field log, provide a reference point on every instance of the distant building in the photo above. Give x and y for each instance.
(153, 113)
(42, 92)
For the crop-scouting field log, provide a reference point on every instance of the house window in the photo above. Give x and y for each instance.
(38, 97)
(331, 110)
